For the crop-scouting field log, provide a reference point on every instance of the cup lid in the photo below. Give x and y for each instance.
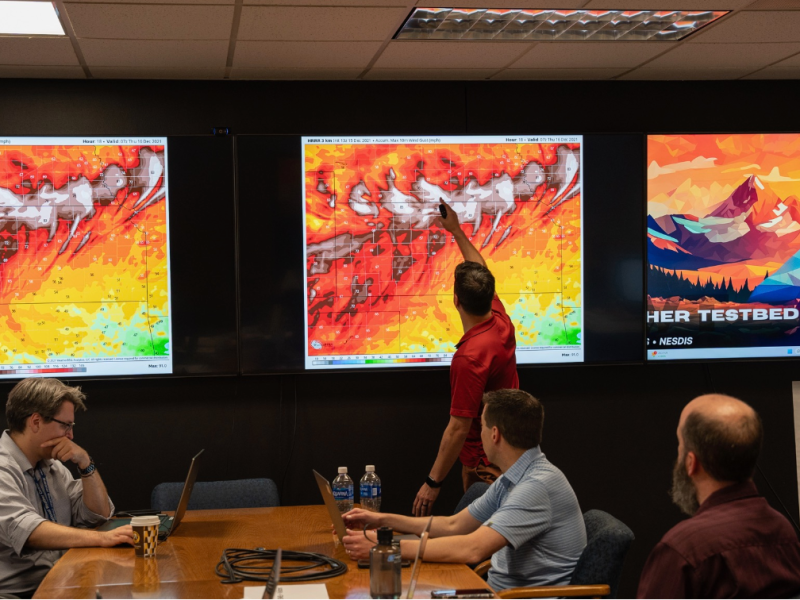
(145, 521)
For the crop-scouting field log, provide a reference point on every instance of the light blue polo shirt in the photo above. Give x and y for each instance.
(533, 507)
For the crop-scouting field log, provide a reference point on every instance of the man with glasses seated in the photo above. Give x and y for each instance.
(42, 505)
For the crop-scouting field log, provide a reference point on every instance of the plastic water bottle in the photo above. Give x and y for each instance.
(343, 491)
(370, 490)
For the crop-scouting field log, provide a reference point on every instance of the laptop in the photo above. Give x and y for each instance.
(274, 576)
(168, 524)
(423, 540)
(330, 504)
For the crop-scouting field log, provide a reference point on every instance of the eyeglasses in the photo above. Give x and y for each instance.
(67, 426)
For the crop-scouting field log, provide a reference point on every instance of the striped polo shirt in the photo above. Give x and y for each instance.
(533, 507)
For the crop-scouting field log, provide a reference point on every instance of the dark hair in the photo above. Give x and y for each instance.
(474, 287)
(39, 395)
(517, 415)
(727, 450)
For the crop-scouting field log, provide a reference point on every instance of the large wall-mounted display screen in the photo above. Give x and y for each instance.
(84, 257)
(379, 270)
(723, 246)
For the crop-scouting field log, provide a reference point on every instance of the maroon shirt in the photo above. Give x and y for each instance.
(484, 361)
(736, 546)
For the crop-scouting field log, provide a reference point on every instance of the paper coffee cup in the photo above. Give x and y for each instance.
(145, 535)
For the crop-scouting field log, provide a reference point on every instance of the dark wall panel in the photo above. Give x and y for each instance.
(611, 429)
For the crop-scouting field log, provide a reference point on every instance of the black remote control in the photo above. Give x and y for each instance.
(443, 211)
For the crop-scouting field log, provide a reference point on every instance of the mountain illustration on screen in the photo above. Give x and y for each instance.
(781, 286)
(752, 224)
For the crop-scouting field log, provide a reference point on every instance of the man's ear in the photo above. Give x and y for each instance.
(496, 435)
(455, 300)
(35, 421)
(692, 464)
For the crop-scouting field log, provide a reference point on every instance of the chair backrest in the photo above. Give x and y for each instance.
(475, 491)
(607, 543)
(239, 493)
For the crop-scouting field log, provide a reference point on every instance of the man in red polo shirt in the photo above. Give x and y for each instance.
(484, 362)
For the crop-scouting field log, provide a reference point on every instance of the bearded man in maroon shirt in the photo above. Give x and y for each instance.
(484, 361)
(735, 545)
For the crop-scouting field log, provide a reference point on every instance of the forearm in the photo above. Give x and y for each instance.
(51, 536)
(452, 441)
(455, 549)
(95, 496)
(468, 251)
(441, 526)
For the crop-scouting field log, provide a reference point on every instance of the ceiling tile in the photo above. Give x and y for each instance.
(776, 73)
(154, 53)
(429, 74)
(723, 56)
(374, 3)
(311, 55)
(755, 27)
(36, 72)
(558, 74)
(774, 5)
(589, 54)
(685, 74)
(449, 55)
(149, 22)
(151, 73)
(792, 62)
(296, 74)
(231, 2)
(16, 50)
(319, 23)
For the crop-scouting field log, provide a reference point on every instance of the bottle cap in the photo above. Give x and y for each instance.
(370, 468)
(342, 469)
(385, 536)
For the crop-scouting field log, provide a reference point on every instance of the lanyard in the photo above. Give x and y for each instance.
(44, 494)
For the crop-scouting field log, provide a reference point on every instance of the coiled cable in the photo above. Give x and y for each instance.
(242, 564)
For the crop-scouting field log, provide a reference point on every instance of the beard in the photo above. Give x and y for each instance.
(683, 492)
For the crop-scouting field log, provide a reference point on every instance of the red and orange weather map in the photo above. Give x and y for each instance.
(83, 257)
(379, 269)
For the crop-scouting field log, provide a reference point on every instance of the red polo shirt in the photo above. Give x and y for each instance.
(484, 361)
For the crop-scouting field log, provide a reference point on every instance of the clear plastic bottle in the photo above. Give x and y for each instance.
(385, 563)
(370, 490)
(342, 488)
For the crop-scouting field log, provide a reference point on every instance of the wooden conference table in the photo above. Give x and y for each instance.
(184, 565)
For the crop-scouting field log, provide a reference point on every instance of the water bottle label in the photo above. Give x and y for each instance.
(376, 491)
(342, 494)
(365, 491)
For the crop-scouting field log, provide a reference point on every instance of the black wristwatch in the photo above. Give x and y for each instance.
(432, 483)
(88, 471)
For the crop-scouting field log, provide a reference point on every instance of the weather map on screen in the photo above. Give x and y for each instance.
(379, 270)
(84, 257)
(723, 240)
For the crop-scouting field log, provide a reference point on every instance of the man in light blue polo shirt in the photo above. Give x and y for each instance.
(528, 521)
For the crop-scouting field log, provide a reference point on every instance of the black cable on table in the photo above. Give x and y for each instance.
(242, 564)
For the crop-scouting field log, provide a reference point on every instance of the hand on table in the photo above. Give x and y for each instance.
(358, 517)
(115, 537)
(423, 503)
(358, 546)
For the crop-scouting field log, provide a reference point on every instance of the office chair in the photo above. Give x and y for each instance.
(238, 493)
(599, 568)
(475, 491)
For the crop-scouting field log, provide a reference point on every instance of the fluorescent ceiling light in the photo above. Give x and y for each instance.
(29, 18)
(553, 25)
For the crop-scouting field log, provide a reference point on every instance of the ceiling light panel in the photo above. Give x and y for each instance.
(29, 18)
(553, 25)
